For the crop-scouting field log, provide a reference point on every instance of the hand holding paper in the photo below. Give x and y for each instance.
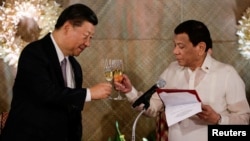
(179, 104)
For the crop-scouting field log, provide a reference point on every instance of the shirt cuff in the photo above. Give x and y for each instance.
(88, 95)
(132, 95)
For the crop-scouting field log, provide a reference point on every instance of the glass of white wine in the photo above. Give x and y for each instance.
(117, 74)
(108, 71)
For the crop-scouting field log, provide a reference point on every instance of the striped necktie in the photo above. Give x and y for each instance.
(63, 67)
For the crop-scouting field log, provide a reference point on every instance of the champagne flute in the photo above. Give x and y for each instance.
(117, 74)
(108, 71)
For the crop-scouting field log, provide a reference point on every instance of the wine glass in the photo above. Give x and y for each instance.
(108, 71)
(117, 74)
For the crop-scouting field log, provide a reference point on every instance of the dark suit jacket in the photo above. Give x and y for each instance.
(42, 108)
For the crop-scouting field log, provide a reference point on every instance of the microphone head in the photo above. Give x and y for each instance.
(160, 83)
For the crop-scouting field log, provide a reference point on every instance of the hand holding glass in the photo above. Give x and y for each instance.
(108, 71)
(117, 74)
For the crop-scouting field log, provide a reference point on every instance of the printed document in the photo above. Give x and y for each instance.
(179, 104)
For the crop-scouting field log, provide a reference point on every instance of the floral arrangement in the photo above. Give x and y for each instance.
(244, 34)
(23, 21)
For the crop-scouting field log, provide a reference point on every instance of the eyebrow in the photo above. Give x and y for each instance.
(89, 33)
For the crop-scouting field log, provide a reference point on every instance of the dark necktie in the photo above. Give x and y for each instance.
(63, 67)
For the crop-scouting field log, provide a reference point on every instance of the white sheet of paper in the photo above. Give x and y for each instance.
(179, 106)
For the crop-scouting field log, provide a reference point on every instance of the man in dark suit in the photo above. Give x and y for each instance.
(44, 108)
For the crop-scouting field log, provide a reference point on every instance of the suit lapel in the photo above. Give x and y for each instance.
(53, 57)
(77, 71)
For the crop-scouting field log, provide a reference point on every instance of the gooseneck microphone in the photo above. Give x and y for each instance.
(147, 95)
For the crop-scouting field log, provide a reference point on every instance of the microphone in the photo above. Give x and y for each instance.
(147, 95)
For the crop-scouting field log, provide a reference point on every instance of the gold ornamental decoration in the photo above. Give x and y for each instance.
(24, 21)
(243, 33)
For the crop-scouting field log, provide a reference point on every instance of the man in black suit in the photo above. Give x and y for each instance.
(44, 108)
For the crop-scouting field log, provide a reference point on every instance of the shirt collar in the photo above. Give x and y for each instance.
(58, 50)
(206, 66)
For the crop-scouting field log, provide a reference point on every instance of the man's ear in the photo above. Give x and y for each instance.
(66, 26)
(202, 48)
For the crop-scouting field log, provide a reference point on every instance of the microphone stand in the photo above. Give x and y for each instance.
(135, 122)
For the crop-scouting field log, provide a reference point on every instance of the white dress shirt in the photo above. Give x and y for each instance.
(217, 84)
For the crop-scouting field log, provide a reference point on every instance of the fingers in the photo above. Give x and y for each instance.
(203, 117)
(208, 116)
(118, 86)
(107, 90)
(200, 115)
(101, 91)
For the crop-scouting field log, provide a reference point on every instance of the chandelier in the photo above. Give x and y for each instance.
(243, 33)
(22, 22)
